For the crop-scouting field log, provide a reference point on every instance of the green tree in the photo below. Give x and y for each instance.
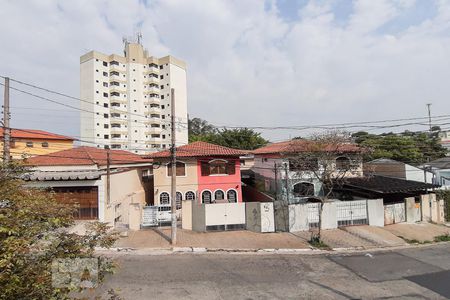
(239, 138)
(33, 233)
(409, 147)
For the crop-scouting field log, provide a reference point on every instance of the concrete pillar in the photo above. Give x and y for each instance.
(298, 217)
(329, 215)
(410, 204)
(186, 214)
(425, 204)
(375, 212)
(260, 216)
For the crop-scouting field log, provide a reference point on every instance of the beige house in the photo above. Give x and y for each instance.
(31, 142)
(79, 177)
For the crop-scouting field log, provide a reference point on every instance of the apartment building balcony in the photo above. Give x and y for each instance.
(119, 140)
(154, 141)
(118, 89)
(117, 68)
(152, 100)
(150, 80)
(118, 109)
(118, 99)
(153, 90)
(119, 130)
(153, 130)
(119, 120)
(153, 110)
(119, 77)
(156, 121)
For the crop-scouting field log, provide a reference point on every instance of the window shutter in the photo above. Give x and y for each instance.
(231, 168)
(205, 169)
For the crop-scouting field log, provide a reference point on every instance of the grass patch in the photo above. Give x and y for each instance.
(442, 238)
(316, 242)
(414, 241)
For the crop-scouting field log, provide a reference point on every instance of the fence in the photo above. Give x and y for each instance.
(352, 213)
(313, 215)
(394, 213)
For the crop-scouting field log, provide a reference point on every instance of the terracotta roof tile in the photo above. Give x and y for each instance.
(35, 134)
(85, 156)
(199, 149)
(300, 145)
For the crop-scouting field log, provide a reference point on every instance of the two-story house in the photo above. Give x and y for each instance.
(292, 170)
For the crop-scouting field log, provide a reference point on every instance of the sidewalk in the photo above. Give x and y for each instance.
(421, 232)
(242, 239)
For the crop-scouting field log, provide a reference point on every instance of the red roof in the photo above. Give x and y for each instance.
(200, 149)
(300, 145)
(85, 156)
(35, 134)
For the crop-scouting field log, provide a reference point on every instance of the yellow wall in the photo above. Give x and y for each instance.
(19, 147)
(162, 182)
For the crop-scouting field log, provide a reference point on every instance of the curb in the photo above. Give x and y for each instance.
(202, 250)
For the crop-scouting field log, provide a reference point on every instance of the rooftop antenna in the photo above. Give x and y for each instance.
(139, 38)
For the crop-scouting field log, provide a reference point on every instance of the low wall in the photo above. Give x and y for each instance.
(260, 216)
(216, 215)
(375, 211)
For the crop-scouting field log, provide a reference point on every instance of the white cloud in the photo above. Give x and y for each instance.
(247, 65)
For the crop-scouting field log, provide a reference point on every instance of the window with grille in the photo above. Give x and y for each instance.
(179, 199)
(190, 195)
(206, 197)
(219, 195)
(164, 199)
(232, 196)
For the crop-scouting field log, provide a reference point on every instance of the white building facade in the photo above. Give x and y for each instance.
(126, 100)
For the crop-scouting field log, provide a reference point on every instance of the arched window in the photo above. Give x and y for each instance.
(303, 189)
(179, 199)
(342, 163)
(164, 199)
(232, 196)
(181, 169)
(206, 197)
(219, 195)
(190, 196)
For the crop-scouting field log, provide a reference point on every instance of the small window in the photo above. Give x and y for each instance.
(106, 116)
(105, 126)
(164, 199)
(105, 63)
(219, 195)
(206, 197)
(342, 163)
(105, 73)
(232, 196)
(44, 145)
(190, 196)
(106, 136)
(105, 84)
(29, 144)
(179, 199)
(180, 169)
(162, 97)
(105, 105)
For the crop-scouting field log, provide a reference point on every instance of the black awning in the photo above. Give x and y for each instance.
(387, 185)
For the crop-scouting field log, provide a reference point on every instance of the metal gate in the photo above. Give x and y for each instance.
(352, 213)
(313, 214)
(394, 213)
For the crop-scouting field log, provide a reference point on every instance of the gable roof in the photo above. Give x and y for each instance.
(35, 134)
(440, 163)
(85, 156)
(200, 149)
(300, 145)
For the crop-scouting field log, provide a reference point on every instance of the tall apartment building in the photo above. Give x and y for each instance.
(127, 100)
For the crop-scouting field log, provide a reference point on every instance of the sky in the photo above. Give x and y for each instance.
(250, 62)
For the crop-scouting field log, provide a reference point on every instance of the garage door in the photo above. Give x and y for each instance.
(85, 199)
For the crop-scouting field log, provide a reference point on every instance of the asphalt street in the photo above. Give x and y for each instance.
(417, 273)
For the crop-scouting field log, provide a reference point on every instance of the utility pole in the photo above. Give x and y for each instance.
(108, 176)
(276, 180)
(174, 169)
(429, 114)
(287, 182)
(6, 127)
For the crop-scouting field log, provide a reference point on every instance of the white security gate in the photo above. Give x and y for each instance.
(352, 213)
(394, 213)
(313, 214)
